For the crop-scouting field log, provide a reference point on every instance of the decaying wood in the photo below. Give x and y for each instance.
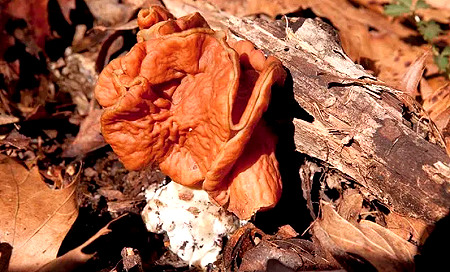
(370, 132)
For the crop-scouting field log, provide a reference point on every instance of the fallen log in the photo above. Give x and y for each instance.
(370, 133)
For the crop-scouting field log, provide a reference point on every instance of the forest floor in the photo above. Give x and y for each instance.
(51, 53)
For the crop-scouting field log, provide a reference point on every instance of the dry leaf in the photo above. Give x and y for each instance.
(307, 172)
(438, 103)
(408, 228)
(253, 7)
(35, 13)
(125, 26)
(241, 241)
(110, 13)
(89, 138)
(34, 218)
(439, 10)
(348, 261)
(111, 194)
(16, 139)
(351, 205)
(381, 247)
(286, 232)
(435, 93)
(7, 119)
(370, 38)
(439, 4)
(413, 75)
(425, 89)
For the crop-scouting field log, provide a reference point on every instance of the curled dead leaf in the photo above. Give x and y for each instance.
(89, 138)
(381, 247)
(414, 73)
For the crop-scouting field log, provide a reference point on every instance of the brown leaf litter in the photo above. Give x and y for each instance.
(34, 218)
(381, 247)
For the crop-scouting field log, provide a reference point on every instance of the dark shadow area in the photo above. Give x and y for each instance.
(306, 13)
(433, 255)
(36, 128)
(30, 65)
(56, 46)
(414, 40)
(5, 256)
(408, 22)
(302, 15)
(129, 40)
(128, 231)
(291, 209)
(82, 15)
(369, 64)
(84, 227)
(284, 108)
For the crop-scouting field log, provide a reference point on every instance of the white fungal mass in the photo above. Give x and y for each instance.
(194, 225)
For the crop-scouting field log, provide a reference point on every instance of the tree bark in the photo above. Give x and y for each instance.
(372, 133)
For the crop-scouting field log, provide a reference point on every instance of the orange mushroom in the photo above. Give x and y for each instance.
(186, 100)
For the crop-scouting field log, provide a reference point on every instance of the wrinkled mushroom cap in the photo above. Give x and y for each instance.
(184, 99)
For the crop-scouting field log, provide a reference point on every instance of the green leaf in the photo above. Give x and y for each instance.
(429, 29)
(421, 4)
(407, 3)
(446, 52)
(396, 9)
(441, 62)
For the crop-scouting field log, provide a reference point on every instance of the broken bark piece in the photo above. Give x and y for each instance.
(184, 99)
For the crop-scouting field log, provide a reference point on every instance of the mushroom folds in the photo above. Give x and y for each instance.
(190, 101)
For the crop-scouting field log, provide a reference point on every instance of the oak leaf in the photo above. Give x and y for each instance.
(34, 218)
